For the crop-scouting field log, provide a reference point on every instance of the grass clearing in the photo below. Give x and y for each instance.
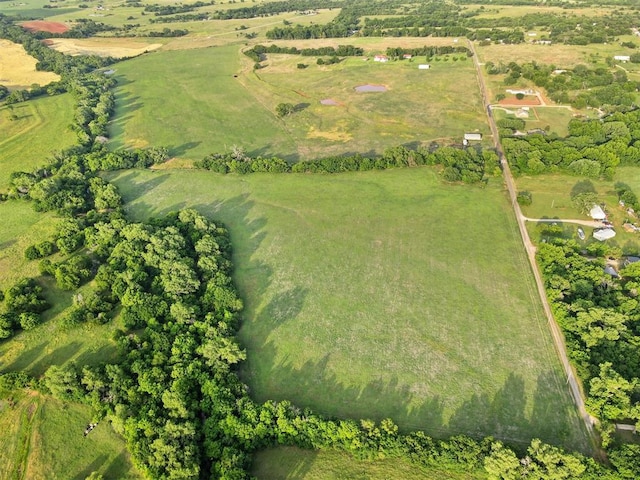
(42, 438)
(382, 294)
(419, 106)
(556, 118)
(18, 68)
(31, 131)
(295, 464)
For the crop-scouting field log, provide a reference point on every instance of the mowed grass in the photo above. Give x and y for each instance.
(43, 439)
(31, 131)
(202, 108)
(295, 464)
(18, 69)
(382, 294)
(556, 118)
(552, 199)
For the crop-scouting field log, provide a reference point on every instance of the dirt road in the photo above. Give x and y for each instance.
(556, 333)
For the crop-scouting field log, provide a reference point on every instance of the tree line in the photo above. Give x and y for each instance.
(466, 165)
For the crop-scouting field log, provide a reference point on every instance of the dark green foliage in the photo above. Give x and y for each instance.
(525, 198)
(284, 109)
(594, 148)
(467, 165)
(597, 313)
(23, 305)
(40, 250)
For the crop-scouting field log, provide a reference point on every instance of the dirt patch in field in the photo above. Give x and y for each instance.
(334, 135)
(18, 68)
(329, 101)
(527, 100)
(104, 47)
(44, 26)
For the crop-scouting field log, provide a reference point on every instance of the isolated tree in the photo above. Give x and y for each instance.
(284, 109)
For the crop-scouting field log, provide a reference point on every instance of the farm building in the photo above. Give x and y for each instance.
(473, 137)
(604, 234)
(424, 66)
(622, 58)
(407, 56)
(597, 213)
(381, 58)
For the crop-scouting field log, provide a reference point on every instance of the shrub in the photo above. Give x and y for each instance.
(525, 198)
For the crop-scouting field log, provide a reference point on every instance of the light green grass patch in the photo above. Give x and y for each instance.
(200, 109)
(382, 294)
(31, 131)
(43, 438)
(295, 464)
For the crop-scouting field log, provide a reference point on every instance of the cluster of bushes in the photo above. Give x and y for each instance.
(626, 196)
(23, 304)
(40, 250)
(598, 313)
(593, 148)
(467, 165)
(508, 126)
(69, 274)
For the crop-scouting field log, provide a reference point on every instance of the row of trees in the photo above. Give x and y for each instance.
(467, 165)
(593, 148)
(257, 52)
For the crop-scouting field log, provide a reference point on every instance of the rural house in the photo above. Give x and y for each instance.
(381, 58)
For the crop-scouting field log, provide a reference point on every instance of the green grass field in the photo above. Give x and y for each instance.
(204, 109)
(556, 118)
(37, 128)
(295, 464)
(43, 439)
(382, 294)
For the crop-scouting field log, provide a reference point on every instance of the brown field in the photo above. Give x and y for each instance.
(18, 69)
(43, 26)
(528, 100)
(104, 47)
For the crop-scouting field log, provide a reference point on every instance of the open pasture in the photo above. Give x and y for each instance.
(214, 99)
(502, 11)
(382, 294)
(31, 131)
(18, 69)
(104, 47)
(43, 439)
(296, 464)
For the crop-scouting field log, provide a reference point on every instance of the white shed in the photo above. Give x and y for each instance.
(604, 234)
(597, 213)
(424, 66)
(472, 137)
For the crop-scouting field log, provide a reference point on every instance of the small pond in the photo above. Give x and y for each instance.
(371, 88)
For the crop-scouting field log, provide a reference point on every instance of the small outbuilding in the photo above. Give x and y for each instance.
(473, 137)
(622, 58)
(604, 234)
(381, 58)
(424, 66)
(597, 213)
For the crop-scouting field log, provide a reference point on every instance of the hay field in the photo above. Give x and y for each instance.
(18, 69)
(382, 294)
(104, 47)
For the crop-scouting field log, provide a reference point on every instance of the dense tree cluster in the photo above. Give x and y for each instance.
(593, 148)
(603, 88)
(467, 165)
(428, 52)
(23, 304)
(599, 315)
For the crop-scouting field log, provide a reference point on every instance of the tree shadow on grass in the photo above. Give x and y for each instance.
(92, 467)
(180, 150)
